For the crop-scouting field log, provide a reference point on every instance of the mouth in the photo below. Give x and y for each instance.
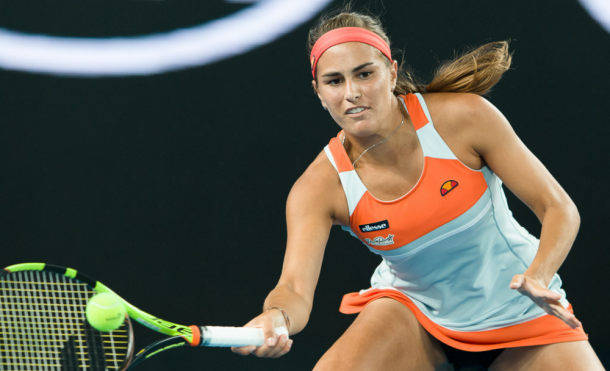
(356, 110)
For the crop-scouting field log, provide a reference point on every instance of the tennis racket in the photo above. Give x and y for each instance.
(43, 325)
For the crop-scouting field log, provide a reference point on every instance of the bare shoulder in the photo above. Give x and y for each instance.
(453, 111)
(319, 175)
(465, 121)
(320, 188)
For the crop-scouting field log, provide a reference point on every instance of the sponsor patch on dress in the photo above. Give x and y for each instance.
(372, 227)
(380, 241)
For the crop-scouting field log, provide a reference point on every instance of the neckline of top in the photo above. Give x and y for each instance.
(421, 175)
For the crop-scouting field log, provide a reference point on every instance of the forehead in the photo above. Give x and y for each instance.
(346, 56)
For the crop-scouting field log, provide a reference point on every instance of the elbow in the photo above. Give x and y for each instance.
(570, 211)
(574, 214)
(564, 206)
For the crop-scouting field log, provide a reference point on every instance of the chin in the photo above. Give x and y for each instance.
(361, 128)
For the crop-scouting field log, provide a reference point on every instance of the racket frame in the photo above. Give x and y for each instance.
(179, 335)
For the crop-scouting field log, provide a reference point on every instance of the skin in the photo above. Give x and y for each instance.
(356, 75)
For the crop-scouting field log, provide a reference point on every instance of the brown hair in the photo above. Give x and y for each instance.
(475, 71)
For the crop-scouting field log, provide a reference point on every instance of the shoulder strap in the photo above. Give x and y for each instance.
(352, 185)
(337, 155)
(418, 111)
(432, 143)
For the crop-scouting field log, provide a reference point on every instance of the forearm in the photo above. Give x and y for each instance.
(560, 225)
(296, 306)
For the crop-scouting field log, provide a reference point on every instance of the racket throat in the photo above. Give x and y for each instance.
(196, 337)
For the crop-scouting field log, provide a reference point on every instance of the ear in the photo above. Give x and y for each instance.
(315, 88)
(394, 74)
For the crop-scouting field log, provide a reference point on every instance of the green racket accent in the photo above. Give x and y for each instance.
(166, 348)
(71, 272)
(153, 323)
(26, 267)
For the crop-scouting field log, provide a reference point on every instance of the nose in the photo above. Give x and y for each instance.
(352, 91)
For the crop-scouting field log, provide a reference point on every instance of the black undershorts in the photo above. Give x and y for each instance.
(478, 361)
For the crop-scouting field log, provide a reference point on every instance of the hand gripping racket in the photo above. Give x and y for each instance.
(43, 325)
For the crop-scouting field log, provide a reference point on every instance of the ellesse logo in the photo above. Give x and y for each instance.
(448, 186)
(374, 226)
(141, 39)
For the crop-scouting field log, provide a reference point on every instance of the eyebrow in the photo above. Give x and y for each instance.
(333, 74)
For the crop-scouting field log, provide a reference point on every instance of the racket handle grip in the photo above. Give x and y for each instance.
(221, 336)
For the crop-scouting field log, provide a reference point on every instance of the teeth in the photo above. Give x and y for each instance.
(356, 110)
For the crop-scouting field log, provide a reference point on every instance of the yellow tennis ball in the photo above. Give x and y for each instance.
(105, 312)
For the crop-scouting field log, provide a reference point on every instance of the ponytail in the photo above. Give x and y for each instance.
(476, 71)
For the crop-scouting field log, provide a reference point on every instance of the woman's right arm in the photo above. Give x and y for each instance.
(310, 213)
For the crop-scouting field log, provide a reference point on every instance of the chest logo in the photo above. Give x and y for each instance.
(448, 186)
(380, 241)
(371, 227)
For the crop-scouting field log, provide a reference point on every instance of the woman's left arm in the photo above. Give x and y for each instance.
(491, 137)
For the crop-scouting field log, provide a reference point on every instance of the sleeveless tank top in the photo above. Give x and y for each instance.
(451, 244)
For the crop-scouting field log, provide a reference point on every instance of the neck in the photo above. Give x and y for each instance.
(383, 145)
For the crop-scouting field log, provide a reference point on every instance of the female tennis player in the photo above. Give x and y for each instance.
(416, 174)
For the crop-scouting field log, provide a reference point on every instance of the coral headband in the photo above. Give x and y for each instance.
(345, 35)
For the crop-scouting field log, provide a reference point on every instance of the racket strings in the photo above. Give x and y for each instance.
(43, 326)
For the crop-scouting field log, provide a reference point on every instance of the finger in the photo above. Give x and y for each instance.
(270, 343)
(517, 281)
(282, 351)
(261, 351)
(575, 323)
(565, 315)
(286, 349)
(547, 294)
(270, 337)
(279, 347)
(244, 351)
(538, 292)
(265, 349)
(534, 290)
(571, 321)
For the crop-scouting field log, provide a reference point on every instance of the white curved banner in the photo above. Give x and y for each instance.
(599, 10)
(237, 33)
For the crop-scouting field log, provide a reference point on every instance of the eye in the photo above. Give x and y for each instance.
(366, 74)
(334, 82)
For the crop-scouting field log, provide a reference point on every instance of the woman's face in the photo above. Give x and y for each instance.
(356, 85)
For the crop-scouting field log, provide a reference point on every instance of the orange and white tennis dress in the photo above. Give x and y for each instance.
(449, 249)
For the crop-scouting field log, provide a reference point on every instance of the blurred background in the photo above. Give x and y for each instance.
(152, 145)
